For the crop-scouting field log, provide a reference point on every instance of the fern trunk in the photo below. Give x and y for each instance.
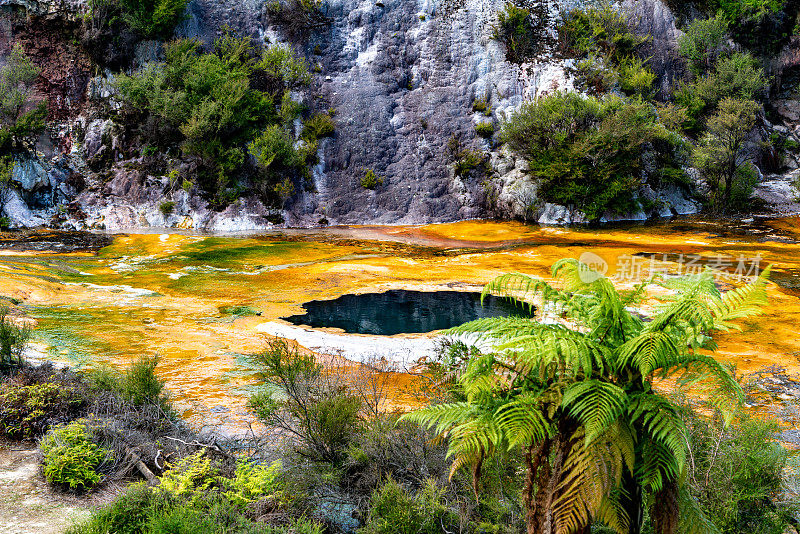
(665, 509)
(545, 463)
(535, 457)
(632, 502)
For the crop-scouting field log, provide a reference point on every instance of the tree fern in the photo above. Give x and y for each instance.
(585, 366)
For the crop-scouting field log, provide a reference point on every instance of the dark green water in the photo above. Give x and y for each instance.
(399, 311)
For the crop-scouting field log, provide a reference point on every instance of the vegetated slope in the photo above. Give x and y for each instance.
(415, 96)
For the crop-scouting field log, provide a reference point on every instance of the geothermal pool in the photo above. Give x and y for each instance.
(204, 302)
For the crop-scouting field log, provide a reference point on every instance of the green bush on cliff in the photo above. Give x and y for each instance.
(149, 19)
(153, 19)
(20, 118)
(757, 24)
(516, 29)
(586, 152)
(112, 28)
(703, 41)
(213, 105)
(602, 28)
(736, 76)
(607, 47)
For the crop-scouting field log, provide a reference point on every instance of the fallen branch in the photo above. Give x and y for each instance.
(143, 469)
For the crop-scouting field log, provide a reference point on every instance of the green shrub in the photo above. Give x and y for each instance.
(484, 129)
(635, 78)
(737, 76)
(517, 29)
(393, 510)
(215, 105)
(298, 18)
(314, 407)
(126, 515)
(278, 160)
(140, 385)
(193, 499)
(467, 160)
(253, 482)
(763, 26)
(13, 339)
(370, 180)
(596, 74)
(20, 119)
(703, 41)
(601, 38)
(317, 127)
(144, 510)
(281, 63)
(189, 478)
(71, 459)
(587, 152)
(103, 378)
(736, 473)
(153, 19)
(166, 208)
(27, 411)
(602, 29)
(480, 105)
(721, 155)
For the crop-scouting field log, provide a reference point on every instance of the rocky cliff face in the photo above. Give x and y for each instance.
(402, 77)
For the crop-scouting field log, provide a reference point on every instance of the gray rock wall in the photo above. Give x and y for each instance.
(402, 76)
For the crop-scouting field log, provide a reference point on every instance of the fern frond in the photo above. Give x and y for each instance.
(741, 302)
(693, 285)
(691, 518)
(590, 476)
(441, 416)
(519, 287)
(595, 404)
(689, 310)
(664, 452)
(522, 421)
(648, 352)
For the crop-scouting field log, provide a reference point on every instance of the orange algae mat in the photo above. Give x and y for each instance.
(198, 300)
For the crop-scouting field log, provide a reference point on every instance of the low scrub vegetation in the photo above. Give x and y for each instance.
(596, 154)
(586, 152)
(298, 18)
(522, 28)
(607, 50)
(112, 28)
(370, 180)
(13, 338)
(221, 107)
(21, 118)
(71, 458)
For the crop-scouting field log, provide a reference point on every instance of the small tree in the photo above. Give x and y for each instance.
(12, 343)
(703, 42)
(314, 407)
(18, 118)
(721, 155)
